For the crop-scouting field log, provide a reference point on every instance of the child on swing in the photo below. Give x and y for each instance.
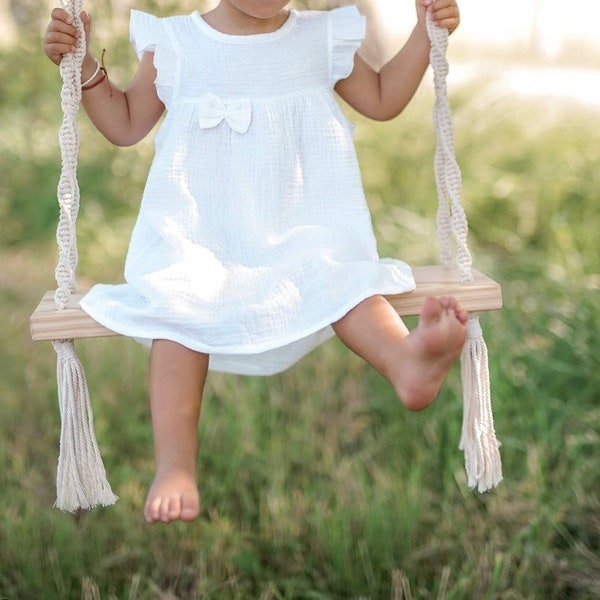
(254, 242)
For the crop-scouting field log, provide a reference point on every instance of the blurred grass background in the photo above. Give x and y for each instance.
(316, 484)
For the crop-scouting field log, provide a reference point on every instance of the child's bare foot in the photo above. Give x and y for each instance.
(173, 496)
(430, 350)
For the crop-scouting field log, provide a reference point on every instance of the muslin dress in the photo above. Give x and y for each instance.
(253, 234)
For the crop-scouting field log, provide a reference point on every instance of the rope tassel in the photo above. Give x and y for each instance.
(478, 438)
(81, 479)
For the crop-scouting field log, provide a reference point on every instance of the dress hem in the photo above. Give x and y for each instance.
(246, 349)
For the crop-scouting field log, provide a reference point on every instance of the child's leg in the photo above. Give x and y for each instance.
(416, 362)
(177, 376)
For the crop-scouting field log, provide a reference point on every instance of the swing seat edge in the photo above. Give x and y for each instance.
(48, 322)
(480, 295)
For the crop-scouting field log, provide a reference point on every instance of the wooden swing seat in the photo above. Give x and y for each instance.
(483, 294)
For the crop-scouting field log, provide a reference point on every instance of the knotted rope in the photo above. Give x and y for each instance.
(478, 438)
(81, 478)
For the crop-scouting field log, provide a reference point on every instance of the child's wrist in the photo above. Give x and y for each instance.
(97, 74)
(420, 33)
(89, 69)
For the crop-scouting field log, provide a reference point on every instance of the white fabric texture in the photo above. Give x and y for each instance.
(253, 234)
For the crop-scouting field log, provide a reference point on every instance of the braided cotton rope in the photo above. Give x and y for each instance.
(478, 438)
(451, 220)
(68, 188)
(81, 479)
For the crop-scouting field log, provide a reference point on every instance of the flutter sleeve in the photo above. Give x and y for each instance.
(145, 31)
(346, 33)
(151, 34)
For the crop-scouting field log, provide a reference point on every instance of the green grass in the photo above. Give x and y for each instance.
(316, 484)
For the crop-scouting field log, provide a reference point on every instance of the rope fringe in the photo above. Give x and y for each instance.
(81, 478)
(478, 437)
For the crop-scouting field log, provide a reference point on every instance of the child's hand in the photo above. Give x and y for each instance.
(444, 13)
(62, 36)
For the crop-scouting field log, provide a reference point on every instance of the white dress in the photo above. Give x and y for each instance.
(253, 234)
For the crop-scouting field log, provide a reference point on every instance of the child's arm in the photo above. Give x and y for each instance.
(123, 117)
(384, 95)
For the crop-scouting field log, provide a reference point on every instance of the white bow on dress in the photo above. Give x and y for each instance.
(235, 112)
